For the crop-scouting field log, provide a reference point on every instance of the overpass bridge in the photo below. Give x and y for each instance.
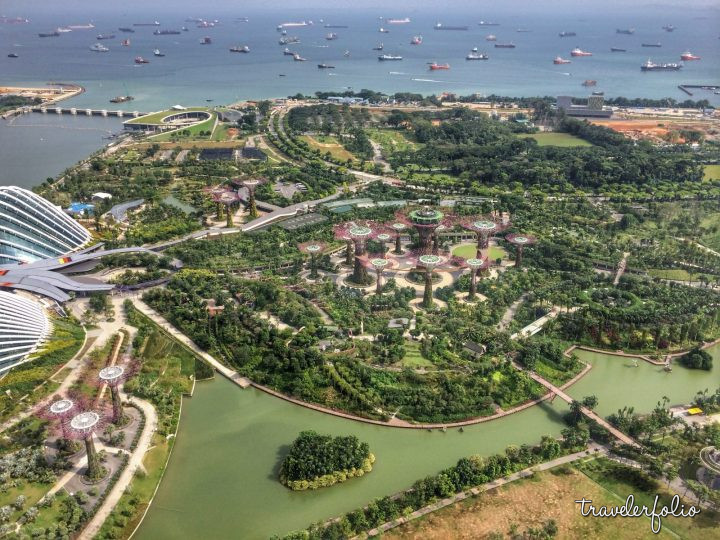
(83, 112)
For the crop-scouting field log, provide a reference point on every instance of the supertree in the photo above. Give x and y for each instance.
(215, 193)
(59, 411)
(520, 241)
(383, 238)
(250, 184)
(378, 263)
(397, 228)
(475, 265)
(483, 228)
(425, 220)
(313, 249)
(228, 198)
(359, 233)
(83, 426)
(429, 262)
(113, 376)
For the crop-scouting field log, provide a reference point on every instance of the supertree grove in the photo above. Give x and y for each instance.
(83, 426)
(113, 376)
(475, 265)
(359, 233)
(520, 241)
(59, 411)
(397, 228)
(313, 249)
(484, 229)
(429, 262)
(383, 238)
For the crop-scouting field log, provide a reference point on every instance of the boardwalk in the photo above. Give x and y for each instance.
(587, 412)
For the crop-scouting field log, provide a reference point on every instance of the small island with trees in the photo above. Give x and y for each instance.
(317, 461)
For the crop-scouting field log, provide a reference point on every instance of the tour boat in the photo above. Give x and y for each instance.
(99, 47)
(157, 52)
(416, 40)
(577, 51)
(384, 30)
(560, 60)
(687, 55)
(298, 58)
(325, 66)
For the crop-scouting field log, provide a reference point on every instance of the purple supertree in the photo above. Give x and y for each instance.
(113, 377)
(383, 238)
(83, 426)
(520, 241)
(250, 184)
(58, 412)
(484, 229)
(379, 263)
(425, 220)
(313, 249)
(229, 199)
(359, 232)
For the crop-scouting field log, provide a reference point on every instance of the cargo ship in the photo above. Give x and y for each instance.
(651, 66)
(157, 53)
(440, 26)
(205, 41)
(389, 57)
(491, 37)
(88, 26)
(13, 55)
(577, 51)
(154, 23)
(488, 23)
(54, 33)
(325, 66)
(510, 45)
(416, 40)
(141, 60)
(625, 31)
(560, 60)
(298, 58)
(331, 36)
(64, 29)
(105, 36)
(398, 21)
(668, 28)
(384, 30)
(293, 25)
(617, 49)
(239, 49)
(121, 99)
(288, 40)
(687, 55)
(652, 44)
(435, 66)
(126, 30)
(336, 26)
(14, 20)
(288, 52)
(567, 34)
(99, 47)
(166, 32)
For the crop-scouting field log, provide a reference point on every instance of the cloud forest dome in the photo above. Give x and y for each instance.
(24, 326)
(31, 228)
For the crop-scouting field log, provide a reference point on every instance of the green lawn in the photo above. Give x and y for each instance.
(674, 273)
(468, 251)
(413, 358)
(712, 172)
(326, 143)
(156, 117)
(186, 133)
(557, 139)
(392, 141)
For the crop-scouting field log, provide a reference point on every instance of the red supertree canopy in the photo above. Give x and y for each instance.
(358, 231)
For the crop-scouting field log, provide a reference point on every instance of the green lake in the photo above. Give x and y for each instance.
(222, 478)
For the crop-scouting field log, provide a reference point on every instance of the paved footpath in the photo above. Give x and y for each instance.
(592, 449)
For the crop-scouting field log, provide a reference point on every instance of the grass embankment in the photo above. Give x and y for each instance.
(551, 495)
(168, 372)
(556, 139)
(413, 358)
(326, 143)
(712, 172)
(203, 130)
(392, 141)
(29, 383)
(156, 117)
(468, 251)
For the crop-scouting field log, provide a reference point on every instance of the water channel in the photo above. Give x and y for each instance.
(222, 478)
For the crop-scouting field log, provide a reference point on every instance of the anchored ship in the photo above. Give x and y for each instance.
(560, 60)
(154, 23)
(658, 44)
(378, 47)
(668, 28)
(54, 33)
(105, 36)
(331, 36)
(121, 99)
(99, 47)
(617, 49)
(567, 34)
(440, 26)
(474, 55)
(205, 41)
(577, 51)
(626, 31)
(651, 66)
(239, 49)
(157, 52)
(434, 66)
(126, 30)
(687, 55)
(488, 23)
(166, 32)
(491, 37)
(125, 43)
(398, 21)
(416, 40)
(325, 66)
(141, 60)
(510, 45)
(386, 57)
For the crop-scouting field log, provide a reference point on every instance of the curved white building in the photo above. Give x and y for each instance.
(31, 228)
(24, 326)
